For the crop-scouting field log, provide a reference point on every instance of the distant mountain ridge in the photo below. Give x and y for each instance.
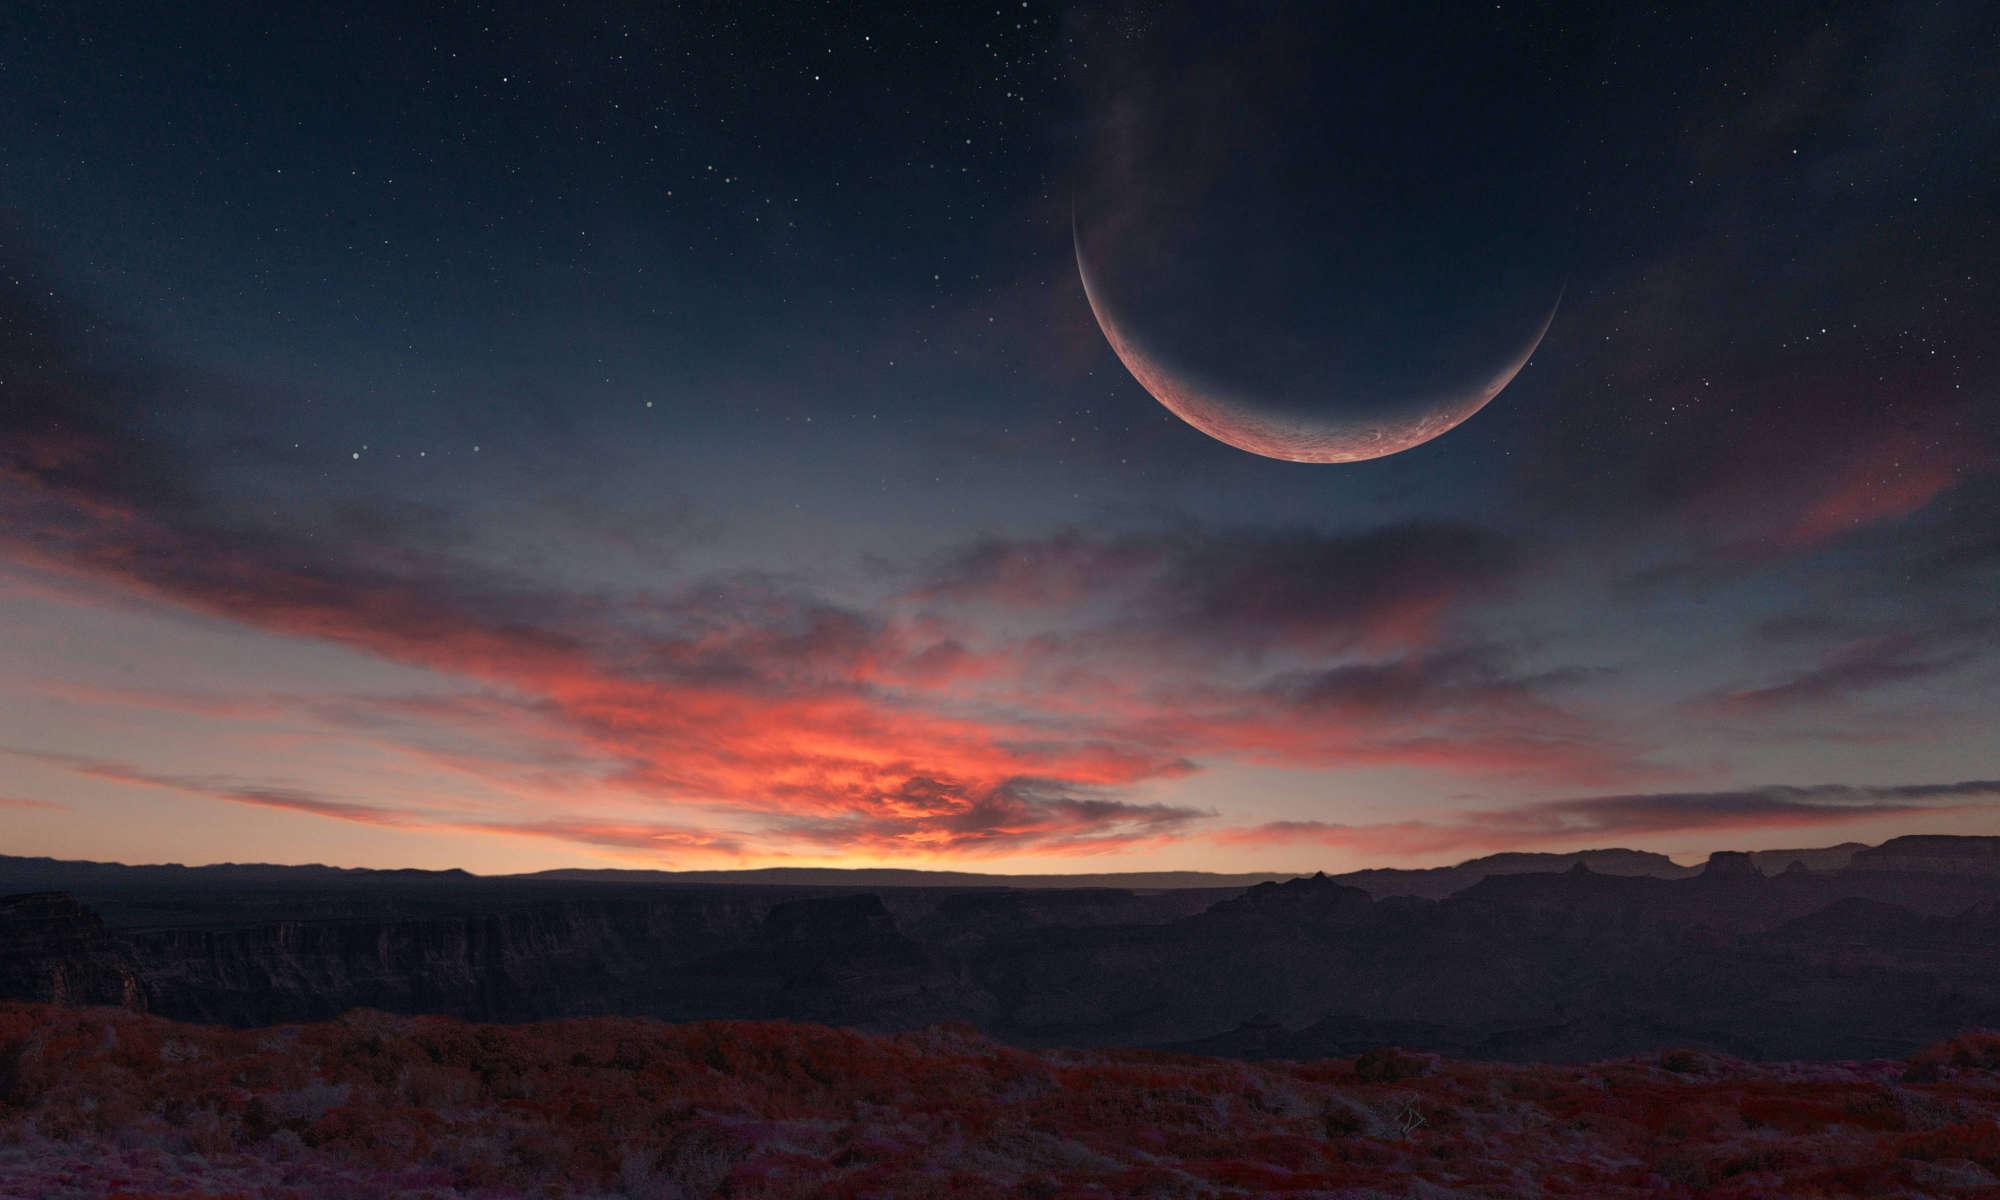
(916, 877)
(1931, 853)
(1822, 858)
(50, 874)
(1899, 948)
(1435, 883)
(24, 873)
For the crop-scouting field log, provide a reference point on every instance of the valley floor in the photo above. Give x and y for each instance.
(108, 1103)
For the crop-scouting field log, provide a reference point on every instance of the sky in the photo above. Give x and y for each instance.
(678, 436)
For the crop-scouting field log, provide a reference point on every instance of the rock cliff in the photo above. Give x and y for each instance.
(1936, 855)
(54, 950)
(1569, 965)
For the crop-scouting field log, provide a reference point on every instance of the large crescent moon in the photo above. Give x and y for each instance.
(1239, 422)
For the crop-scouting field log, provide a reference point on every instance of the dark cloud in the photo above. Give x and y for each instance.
(1009, 700)
(1777, 344)
(743, 692)
(655, 837)
(752, 693)
(1843, 650)
(70, 420)
(1755, 807)
(1847, 673)
(1460, 677)
(1603, 819)
(1245, 590)
(1019, 813)
(1961, 549)
(225, 788)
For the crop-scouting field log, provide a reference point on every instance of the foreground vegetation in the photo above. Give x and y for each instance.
(101, 1103)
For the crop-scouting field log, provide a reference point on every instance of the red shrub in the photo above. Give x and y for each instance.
(374, 1105)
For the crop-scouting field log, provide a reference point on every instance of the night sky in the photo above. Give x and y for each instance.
(678, 435)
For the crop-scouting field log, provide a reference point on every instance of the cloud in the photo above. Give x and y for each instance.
(223, 788)
(654, 837)
(1893, 482)
(955, 823)
(26, 802)
(1465, 709)
(1245, 591)
(1853, 666)
(890, 728)
(768, 703)
(1003, 702)
(157, 700)
(758, 698)
(1053, 818)
(1844, 674)
(1750, 402)
(1461, 678)
(1612, 817)
(1964, 544)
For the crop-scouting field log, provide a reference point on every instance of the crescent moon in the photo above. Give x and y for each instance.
(1239, 422)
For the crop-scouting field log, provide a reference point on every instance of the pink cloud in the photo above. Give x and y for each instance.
(913, 728)
(27, 802)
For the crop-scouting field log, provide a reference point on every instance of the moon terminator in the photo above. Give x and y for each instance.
(1241, 422)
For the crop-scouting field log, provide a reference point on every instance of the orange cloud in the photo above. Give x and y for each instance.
(911, 729)
(585, 830)
(26, 802)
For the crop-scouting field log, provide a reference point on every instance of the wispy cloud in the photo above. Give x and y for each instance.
(1614, 817)
(660, 839)
(1003, 702)
(1244, 592)
(27, 802)
(1853, 669)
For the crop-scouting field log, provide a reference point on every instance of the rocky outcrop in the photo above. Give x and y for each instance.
(534, 957)
(56, 951)
(1818, 858)
(1312, 900)
(679, 953)
(1436, 883)
(1730, 864)
(1933, 855)
(956, 919)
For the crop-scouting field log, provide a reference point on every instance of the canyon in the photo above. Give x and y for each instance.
(1527, 958)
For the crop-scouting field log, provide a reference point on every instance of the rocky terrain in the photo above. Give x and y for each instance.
(100, 1103)
(1436, 883)
(1899, 948)
(55, 950)
(1943, 855)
